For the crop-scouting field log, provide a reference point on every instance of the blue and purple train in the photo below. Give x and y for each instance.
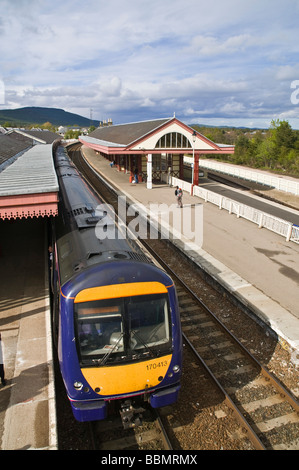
(116, 320)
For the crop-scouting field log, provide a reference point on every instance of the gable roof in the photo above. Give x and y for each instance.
(139, 137)
(41, 136)
(125, 134)
(9, 147)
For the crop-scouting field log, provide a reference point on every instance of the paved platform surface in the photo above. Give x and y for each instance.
(258, 266)
(27, 402)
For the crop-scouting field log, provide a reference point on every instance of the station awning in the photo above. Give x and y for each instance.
(29, 186)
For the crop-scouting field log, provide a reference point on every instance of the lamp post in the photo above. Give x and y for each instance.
(193, 139)
(149, 169)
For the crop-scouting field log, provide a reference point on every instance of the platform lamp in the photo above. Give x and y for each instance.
(193, 139)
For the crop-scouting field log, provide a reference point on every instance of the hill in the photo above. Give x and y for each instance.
(35, 115)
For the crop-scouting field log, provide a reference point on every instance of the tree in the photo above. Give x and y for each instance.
(242, 150)
(265, 155)
(48, 126)
(283, 134)
(276, 149)
(71, 134)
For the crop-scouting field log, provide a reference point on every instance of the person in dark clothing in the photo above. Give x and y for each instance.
(136, 175)
(179, 194)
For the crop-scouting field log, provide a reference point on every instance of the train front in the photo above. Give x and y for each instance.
(128, 345)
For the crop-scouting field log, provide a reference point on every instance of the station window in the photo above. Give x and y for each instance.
(173, 140)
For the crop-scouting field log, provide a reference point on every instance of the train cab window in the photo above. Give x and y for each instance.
(99, 330)
(149, 322)
(121, 330)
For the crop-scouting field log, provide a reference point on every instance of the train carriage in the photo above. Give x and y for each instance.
(115, 313)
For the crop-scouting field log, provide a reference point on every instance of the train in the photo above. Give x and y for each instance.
(115, 314)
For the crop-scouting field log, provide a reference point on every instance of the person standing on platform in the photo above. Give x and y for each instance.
(180, 198)
(136, 175)
(2, 375)
(179, 194)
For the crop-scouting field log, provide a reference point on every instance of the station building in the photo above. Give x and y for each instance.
(152, 148)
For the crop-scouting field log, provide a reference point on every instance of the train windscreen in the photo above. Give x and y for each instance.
(123, 329)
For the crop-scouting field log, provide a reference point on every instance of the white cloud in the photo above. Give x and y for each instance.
(147, 58)
(211, 45)
(233, 108)
(287, 72)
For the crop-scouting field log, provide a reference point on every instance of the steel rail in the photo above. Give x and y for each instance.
(164, 435)
(258, 445)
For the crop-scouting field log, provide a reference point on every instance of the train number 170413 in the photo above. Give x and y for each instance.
(155, 365)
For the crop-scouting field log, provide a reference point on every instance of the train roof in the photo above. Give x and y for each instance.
(77, 229)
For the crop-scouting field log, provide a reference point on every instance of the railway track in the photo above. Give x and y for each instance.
(236, 372)
(110, 435)
(265, 409)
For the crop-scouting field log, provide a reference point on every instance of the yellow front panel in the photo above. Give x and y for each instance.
(128, 378)
(120, 290)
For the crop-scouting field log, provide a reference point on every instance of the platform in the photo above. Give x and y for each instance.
(27, 402)
(258, 266)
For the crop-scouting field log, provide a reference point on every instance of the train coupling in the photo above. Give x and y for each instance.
(131, 417)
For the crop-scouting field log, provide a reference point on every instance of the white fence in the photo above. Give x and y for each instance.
(281, 183)
(262, 219)
(295, 234)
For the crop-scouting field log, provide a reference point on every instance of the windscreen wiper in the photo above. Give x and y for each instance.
(134, 333)
(106, 356)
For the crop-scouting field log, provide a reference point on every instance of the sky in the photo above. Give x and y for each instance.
(216, 62)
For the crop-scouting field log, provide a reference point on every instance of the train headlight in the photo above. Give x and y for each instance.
(78, 385)
(176, 369)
